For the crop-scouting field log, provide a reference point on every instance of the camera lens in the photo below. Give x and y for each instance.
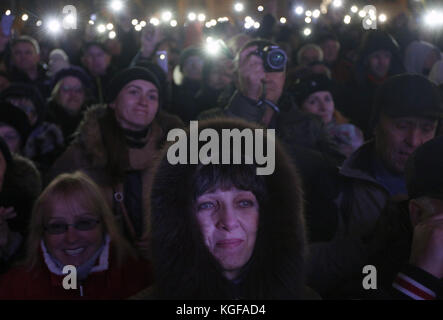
(277, 59)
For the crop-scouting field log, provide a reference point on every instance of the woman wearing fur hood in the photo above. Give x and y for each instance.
(116, 146)
(220, 231)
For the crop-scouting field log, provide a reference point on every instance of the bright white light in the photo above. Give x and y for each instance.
(208, 24)
(239, 7)
(433, 18)
(138, 27)
(8, 12)
(39, 23)
(192, 16)
(162, 57)
(337, 3)
(201, 17)
(25, 17)
(91, 22)
(209, 39)
(283, 20)
(299, 10)
(212, 47)
(362, 13)
(173, 23)
(166, 16)
(134, 22)
(54, 26)
(354, 9)
(382, 17)
(110, 26)
(101, 28)
(308, 13)
(69, 19)
(347, 19)
(308, 20)
(369, 21)
(111, 35)
(116, 5)
(249, 19)
(142, 24)
(260, 8)
(316, 13)
(223, 19)
(248, 26)
(93, 17)
(153, 21)
(257, 25)
(307, 32)
(213, 22)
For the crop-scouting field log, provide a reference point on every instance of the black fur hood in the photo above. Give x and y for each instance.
(184, 267)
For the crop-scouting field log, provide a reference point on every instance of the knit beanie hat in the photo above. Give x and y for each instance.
(127, 75)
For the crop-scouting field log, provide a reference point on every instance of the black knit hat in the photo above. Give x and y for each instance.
(306, 86)
(424, 171)
(127, 75)
(15, 118)
(375, 40)
(407, 95)
(72, 71)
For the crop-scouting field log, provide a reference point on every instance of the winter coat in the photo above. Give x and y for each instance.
(106, 280)
(184, 267)
(66, 122)
(22, 186)
(99, 153)
(361, 201)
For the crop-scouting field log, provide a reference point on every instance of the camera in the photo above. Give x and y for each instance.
(274, 58)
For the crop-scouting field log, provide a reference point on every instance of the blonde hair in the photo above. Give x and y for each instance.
(71, 189)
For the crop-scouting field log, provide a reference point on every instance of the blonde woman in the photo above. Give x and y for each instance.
(72, 225)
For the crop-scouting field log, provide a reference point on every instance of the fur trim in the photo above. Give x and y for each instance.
(183, 266)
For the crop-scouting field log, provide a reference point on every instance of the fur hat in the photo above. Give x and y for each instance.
(304, 87)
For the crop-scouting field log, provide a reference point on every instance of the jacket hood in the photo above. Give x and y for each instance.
(185, 269)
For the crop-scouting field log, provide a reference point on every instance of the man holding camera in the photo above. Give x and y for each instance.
(260, 97)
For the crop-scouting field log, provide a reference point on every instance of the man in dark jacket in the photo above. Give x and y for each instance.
(378, 59)
(407, 112)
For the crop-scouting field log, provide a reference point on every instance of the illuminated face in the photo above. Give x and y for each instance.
(96, 60)
(136, 105)
(24, 56)
(228, 221)
(320, 103)
(379, 63)
(71, 94)
(11, 137)
(73, 247)
(397, 138)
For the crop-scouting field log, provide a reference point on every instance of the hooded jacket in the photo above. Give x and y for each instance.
(183, 266)
(99, 149)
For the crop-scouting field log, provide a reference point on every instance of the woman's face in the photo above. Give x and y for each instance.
(71, 94)
(136, 105)
(73, 246)
(320, 103)
(228, 221)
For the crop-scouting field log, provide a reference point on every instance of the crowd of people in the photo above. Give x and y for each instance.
(85, 178)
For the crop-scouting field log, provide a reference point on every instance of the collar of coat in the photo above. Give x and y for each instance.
(90, 136)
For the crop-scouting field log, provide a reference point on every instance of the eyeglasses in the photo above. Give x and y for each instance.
(81, 225)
